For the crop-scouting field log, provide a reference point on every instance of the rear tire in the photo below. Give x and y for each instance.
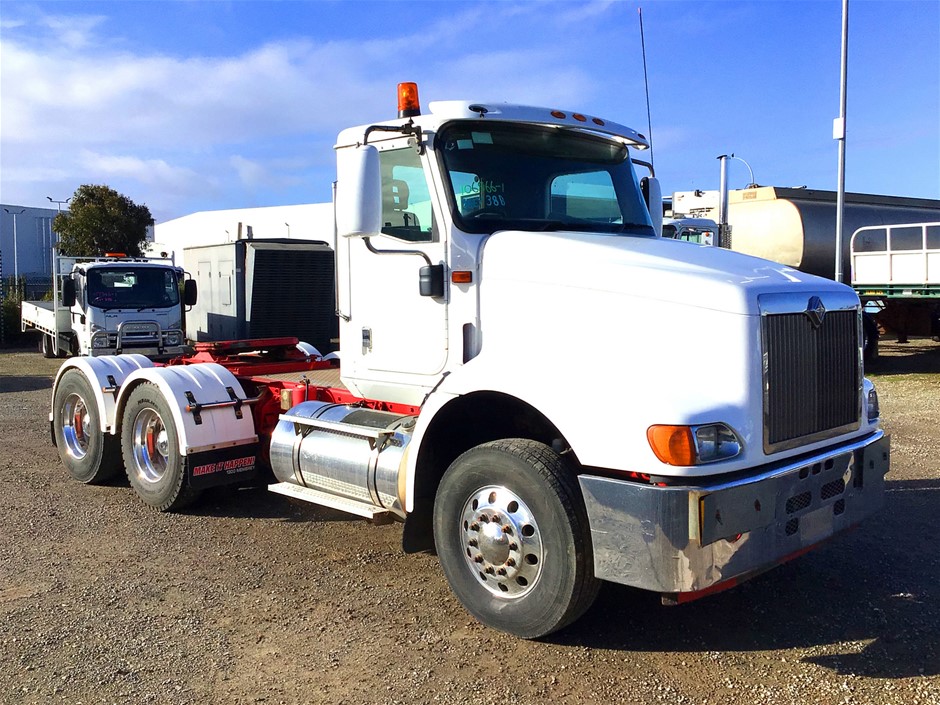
(47, 346)
(88, 453)
(513, 539)
(150, 445)
(870, 338)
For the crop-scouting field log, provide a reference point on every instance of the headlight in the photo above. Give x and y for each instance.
(100, 341)
(173, 339)
(693, 445)
(874, 410)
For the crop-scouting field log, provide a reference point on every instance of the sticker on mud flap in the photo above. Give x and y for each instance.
(223, 466)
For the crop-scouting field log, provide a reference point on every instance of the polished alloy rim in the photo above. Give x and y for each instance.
(151, 446)
(76, 424)
(501, 540)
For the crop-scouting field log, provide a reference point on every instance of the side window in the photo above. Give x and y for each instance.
(587, 196)
(406, 199)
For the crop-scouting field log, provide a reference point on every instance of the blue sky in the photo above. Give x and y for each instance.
(199, 105)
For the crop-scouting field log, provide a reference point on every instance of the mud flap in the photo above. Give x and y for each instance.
(224, 466)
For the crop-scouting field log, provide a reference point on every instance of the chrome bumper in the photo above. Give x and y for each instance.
(685, 539)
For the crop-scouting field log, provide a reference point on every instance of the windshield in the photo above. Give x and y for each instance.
(529, 177)
(124, 287)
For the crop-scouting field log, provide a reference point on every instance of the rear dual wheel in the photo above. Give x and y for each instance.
(88, 453)
(150, 445)
(513, 539)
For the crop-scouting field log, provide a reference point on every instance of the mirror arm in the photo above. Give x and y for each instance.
(376, 251)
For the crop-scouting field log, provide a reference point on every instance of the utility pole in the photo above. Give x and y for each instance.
(838, 133)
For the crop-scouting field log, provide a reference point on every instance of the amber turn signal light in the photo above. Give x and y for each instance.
(673, 445)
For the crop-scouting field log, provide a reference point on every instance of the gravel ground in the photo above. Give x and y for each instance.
(252, 598)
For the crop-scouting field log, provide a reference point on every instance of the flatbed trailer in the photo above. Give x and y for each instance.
(896, 270)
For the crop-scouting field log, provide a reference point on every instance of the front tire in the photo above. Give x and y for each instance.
(89, 454)
(513, 539)
(150, 445)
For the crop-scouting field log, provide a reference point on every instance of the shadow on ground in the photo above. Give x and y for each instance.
(24, 384)
(878, 584)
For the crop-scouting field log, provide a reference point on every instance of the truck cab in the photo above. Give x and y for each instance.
(114, 304)
(514, 386)
(700, 231)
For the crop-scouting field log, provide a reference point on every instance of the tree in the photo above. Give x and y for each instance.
(101, 220)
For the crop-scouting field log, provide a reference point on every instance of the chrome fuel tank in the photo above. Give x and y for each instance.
(343, 450)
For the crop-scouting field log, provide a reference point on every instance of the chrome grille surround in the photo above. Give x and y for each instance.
(811, 367)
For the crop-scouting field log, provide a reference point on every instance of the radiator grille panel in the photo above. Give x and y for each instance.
(812, 376)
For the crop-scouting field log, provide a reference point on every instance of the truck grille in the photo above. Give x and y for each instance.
(811, 378)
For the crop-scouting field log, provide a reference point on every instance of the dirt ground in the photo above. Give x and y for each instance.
(252, 598)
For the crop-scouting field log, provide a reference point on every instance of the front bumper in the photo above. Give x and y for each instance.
(140, 337)
(685, 539)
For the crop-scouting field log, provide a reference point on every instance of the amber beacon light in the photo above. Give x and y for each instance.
(408, 104)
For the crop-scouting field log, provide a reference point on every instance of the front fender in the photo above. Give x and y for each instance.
(186, 388)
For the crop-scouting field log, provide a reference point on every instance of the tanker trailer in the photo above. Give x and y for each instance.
(796, 227)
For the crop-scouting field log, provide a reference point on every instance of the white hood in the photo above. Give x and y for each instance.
(643, 267)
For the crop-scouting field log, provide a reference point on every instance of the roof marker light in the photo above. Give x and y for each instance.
(597, 121)
(558, 114)
(408, 103)
(579, 117)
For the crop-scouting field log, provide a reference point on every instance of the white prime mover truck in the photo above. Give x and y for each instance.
(112, 304)
(485, 251)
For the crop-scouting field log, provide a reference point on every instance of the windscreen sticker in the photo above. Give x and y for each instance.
(464, 144)
(482, 137)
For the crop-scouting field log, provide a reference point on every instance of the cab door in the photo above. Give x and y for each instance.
(394, 333)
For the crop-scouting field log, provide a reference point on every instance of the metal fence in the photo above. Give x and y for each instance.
(13, 291)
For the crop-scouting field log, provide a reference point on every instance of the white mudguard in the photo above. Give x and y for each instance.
(186, 387)
(106, 375)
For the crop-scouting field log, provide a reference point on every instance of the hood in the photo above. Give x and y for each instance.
(643, 267)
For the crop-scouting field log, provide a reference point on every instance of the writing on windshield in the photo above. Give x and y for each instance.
(529, 177)
(124, 287)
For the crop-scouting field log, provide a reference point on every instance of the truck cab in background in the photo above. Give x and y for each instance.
(113, 304)
(701, 231)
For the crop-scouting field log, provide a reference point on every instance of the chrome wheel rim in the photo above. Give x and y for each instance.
(501, 540)
(76, 424)
(151, 446)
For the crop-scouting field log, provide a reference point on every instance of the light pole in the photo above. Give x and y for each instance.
(749, 170)
(16, 256)
(288, 229)
(59, 203)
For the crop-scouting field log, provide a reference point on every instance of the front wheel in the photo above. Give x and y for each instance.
(150, 444)
(513, 539)
(90, 455)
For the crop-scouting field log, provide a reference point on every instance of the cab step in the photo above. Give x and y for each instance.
(376, 515)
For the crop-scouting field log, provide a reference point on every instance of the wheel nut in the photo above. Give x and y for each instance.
(510, 562)
(507, 528)
(489, 570)
(478, 559)
(473, 543)
(501, 571)
(496, 518)
(513, 546)
(474, 527)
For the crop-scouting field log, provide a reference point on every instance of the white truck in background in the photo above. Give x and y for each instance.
(475, 242)
(112, 304)
(700, 231)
